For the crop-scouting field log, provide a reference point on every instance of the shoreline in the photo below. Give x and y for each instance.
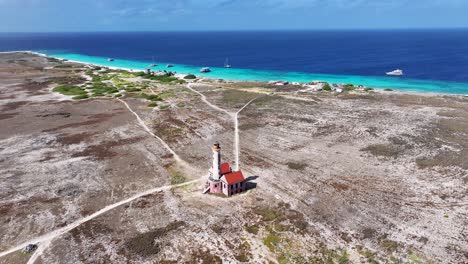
(181, 75)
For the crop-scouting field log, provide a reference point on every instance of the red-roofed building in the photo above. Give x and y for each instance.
(222, 179)
(225, 168)
(233, 183)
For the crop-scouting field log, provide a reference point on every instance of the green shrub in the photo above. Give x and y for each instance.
(349, 87)
(80, 97)
(151, 97)
(69, 90)
(271, 241)
(388, 89)
(326, 87)
(167, 78)
(296, 166)
(190, 77)
(177, 177)
(152, 105)
(163, 107)
(253, 229)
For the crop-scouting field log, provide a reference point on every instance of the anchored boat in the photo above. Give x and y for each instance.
(396, 72)
(205, 69)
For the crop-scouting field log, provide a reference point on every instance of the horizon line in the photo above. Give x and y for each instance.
(242, 30)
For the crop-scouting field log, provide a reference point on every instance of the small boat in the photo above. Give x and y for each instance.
(205, 69)
(153, 64)
(396, 72)
(169, 66)
(226, 64)
(110, 59)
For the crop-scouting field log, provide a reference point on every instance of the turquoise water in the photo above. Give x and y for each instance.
(396, 83)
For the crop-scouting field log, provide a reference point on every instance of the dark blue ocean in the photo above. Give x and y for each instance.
(424, 55)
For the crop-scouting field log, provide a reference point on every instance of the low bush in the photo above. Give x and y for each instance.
(190, 77)
(326, 87)
(70, 90)
(80, 97)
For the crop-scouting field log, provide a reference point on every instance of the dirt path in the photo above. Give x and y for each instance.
(234, 117)
(50, 236)
(236, 132)
(207, 102)
(44, 240)
(146, 128)
(47, 238)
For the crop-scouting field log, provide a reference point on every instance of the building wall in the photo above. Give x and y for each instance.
(215, 186)
(225, 188)
(234, 188)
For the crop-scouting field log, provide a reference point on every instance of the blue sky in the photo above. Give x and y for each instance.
(156, 15)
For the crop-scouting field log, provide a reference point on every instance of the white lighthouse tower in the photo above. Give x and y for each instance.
(215, 169)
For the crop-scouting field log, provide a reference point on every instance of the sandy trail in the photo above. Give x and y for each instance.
(50, 236)
(146, 128)
(47, 238)
(233, 115)
(236, 133)
(207, 102)
(38, 252)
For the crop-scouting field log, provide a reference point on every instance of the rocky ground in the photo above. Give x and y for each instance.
(356, 177)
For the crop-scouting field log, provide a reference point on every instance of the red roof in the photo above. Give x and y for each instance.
(225, 168)
(234, 177)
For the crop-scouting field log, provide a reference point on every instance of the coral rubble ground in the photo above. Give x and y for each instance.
(354, 177)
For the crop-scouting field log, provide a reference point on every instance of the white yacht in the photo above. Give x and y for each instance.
(396, 72)
(226, 64)
(205, 69)
(110, 59)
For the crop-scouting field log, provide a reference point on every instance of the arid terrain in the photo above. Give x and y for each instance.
(107, 166)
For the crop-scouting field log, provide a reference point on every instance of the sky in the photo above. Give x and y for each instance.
(175, 15)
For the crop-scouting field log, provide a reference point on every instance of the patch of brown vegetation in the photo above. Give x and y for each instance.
(357, 96)
(296, 165)
(204, 257)
(90, 230)
(445, 159)
(148, 200)
(32, 202)
(95, 119)
(383, 150)
(68, 80)
(13, 106)
(70, 139)
(145, 244)
(237, 98)
(103, 150)
(58, 114)
(7, 116)
(339, 186)
(453, 130)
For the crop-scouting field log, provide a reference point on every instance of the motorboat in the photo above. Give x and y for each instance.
(396, 72)
(205, 69)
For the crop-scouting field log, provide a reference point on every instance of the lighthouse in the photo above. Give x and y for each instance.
(215, 169)
(222, 179)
